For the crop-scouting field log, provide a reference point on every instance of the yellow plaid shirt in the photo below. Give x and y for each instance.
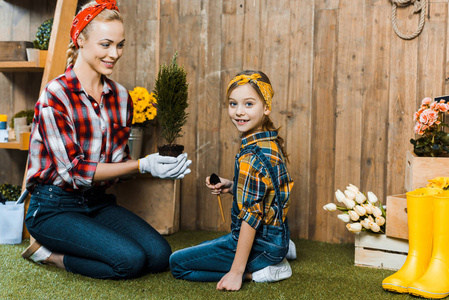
(254, 184)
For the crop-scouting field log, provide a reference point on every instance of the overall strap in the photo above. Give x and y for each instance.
(256, 150)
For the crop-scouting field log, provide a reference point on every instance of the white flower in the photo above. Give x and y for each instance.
(374, 227)
(350, 194)
(372, 198)
(360, 210)
(330, 207)
(344, 217)
(349, 203)
(371, 218)
(354, 227)
(376, 211)
(353, 215)
(368, 208)
(380, 220)
(351, 185)
(360, 198)
(352, 188)
(339, 195)
(365, 223)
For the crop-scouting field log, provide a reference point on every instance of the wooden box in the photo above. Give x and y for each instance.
(397, 219)
(14, 51)
(420, 169)
(380, 251)
(155, 200)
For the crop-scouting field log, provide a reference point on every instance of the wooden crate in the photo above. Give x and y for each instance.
(14, 51)
(155, 200)
(397, 219)
(380, 251)
(420, 169)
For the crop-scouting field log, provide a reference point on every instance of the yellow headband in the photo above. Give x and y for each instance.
(264, 87)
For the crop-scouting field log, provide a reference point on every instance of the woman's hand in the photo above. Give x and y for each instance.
(232, 281)
(225, 186)
(165, 166)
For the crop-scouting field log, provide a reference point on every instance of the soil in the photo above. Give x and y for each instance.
(170, 150)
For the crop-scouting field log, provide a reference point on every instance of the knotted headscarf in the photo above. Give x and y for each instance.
(265, 88)
(86, 15)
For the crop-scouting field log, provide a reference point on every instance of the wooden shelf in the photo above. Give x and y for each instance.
(20, 66)
(21, 144)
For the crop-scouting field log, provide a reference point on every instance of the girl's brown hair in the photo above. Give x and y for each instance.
(267, 123)
(106, 15)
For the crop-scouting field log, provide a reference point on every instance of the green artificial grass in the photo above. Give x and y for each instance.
(321, 271)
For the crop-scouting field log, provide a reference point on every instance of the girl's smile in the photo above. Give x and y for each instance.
(246, 109)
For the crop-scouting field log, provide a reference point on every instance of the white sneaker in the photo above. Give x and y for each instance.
(291, 254)
(277, 272)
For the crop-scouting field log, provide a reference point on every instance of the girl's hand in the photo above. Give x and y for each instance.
(225, 186)
(232, 281)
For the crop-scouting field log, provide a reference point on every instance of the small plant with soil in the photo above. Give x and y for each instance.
(171, 92)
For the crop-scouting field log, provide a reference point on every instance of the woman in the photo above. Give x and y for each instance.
(78, 147)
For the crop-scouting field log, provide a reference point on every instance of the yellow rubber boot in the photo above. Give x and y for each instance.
(419, 215)
(435, 281)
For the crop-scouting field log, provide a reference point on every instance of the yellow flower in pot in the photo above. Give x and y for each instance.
(144, 106)
(145, 110)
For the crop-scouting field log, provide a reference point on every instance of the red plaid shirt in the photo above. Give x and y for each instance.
(72, 133)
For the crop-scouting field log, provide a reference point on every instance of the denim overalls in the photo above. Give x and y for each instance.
(271, 242)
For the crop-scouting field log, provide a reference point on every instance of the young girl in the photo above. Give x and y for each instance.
(78, 148)
(259, 239)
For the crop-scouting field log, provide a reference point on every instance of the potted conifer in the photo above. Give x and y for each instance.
(171, 92)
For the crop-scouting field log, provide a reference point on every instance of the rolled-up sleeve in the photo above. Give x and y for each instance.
(251, 189)
(59, 137)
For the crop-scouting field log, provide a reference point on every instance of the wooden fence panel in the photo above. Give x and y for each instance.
(402, 97)
(375, 98)
(323, 121)
(298, 141)
(348, 128)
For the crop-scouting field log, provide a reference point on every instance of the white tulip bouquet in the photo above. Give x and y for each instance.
(360, 212)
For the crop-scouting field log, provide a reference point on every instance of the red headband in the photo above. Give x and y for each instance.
(86, 15)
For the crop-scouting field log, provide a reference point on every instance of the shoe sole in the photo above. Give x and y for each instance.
(30, 250)
(426, 294)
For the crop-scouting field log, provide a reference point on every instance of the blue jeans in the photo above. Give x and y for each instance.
(211, 260)
(98, 238)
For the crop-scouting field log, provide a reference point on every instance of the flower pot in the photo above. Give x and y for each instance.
(135, 142)
(170, 150)
(11, 222)
(38, 56)
(418, 170)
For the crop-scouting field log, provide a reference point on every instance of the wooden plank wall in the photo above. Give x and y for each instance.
(346, 88)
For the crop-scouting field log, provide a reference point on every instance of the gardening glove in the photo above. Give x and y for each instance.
(165, 166)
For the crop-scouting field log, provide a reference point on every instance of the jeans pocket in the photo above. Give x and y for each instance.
(262, 260)
(32, 211)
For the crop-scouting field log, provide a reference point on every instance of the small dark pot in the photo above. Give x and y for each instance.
(170, 150)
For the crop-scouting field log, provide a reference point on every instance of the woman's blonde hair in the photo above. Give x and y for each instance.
(106, 15)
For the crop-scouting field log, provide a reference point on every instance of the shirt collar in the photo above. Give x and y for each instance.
(75, 85)
(258, 137)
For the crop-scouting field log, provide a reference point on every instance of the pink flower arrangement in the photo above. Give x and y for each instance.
(429, 124)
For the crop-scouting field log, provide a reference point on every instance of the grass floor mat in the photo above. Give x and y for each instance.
(321, 271)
